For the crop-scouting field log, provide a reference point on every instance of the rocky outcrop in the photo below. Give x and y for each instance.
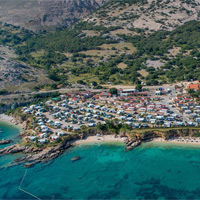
(131, 144)
(33, 155)
(16, 148)
(137, 138)
(3, 141)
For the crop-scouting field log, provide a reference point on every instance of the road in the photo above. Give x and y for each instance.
(167, 98)
(62, 90)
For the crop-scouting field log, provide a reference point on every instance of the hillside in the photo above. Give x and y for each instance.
(101, 50)
(45, 14)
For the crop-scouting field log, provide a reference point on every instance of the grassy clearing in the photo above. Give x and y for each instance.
(85, 77)
(111, 49)
(143, 72)
(91, 33)
(122, 65)
(37, 54)
(122, 46)
(123, 31)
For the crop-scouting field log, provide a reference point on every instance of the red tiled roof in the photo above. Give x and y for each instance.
(194, 86)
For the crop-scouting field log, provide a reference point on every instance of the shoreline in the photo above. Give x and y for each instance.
(11, 120)
(100, 140)
(181, 140)
(110, 138)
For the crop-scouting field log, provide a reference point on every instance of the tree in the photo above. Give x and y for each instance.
(113, 91)
(138, 87)
(94, 83)
(81, 82)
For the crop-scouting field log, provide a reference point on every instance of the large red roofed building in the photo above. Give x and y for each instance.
(193, 86)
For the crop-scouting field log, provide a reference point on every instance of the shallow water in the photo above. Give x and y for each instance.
(9, 131)
(106, 171)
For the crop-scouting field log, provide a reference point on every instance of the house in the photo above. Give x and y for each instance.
(188, 112)
(58, 124)
(184, 107)
(42, 141)
(62, 133)
(33, 138)
(43, 135)
(152, 121)
(122, 117)
(105, 94)
(180, 123)
(191, 103)
(160, 117)
(158, 92)
(91, 124)
(142, 109)
(129, 118)
(141, 119)
(76, 128)
(137, 125)
(190, 123)
(129, 123)
(193, 86)
(198, 120)
(127, 92)
(54, 137)
(167, 124)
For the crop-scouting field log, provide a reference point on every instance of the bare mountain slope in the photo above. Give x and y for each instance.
(45, 14)
(146, 14)
(16, 75)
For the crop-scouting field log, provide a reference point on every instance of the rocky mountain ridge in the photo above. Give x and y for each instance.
(146, 14)
(46, 14)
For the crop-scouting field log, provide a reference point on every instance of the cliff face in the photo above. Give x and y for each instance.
(135, 139)
(182, 132)
(46, 14)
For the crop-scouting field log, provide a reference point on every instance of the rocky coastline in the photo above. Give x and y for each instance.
(35, 154)
(32, 155)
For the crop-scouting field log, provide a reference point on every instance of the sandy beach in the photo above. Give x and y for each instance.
(6, 118)
(9, 119)
(100, 139)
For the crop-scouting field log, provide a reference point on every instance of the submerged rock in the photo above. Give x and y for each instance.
(76, 158)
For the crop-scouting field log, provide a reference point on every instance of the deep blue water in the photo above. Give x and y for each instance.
(152, 171)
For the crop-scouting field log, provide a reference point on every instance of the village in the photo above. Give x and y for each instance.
(150, 108)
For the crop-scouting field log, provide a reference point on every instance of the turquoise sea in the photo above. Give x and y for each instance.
(106, 171)
(9, 131)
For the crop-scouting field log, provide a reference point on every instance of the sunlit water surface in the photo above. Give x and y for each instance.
(107, 171)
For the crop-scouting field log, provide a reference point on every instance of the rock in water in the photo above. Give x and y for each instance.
(28, 165)
(3, 141)
(76, 158)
